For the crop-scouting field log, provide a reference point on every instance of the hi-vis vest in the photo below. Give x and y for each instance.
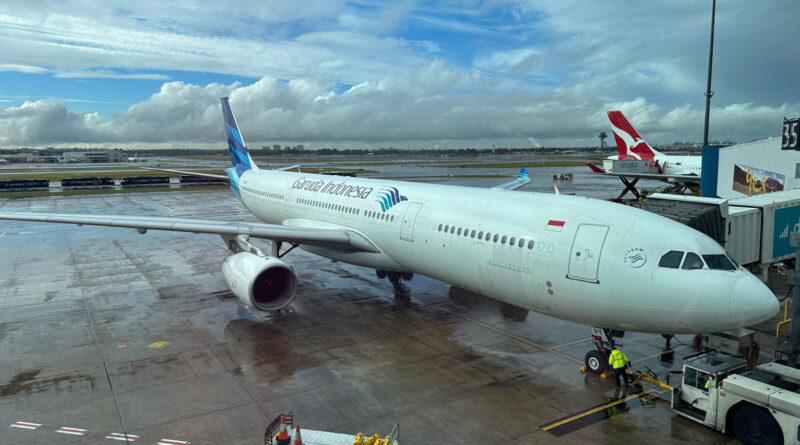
(617, 359)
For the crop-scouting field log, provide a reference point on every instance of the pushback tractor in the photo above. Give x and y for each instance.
(761, 406)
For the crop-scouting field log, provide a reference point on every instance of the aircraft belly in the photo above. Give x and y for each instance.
(365, 259)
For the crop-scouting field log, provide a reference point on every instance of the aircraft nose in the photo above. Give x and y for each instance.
(752, 302)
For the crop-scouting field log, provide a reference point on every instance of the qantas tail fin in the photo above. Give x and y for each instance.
(239, 156)
(629, 143)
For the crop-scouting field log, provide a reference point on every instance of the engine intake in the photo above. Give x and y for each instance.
(265, 283)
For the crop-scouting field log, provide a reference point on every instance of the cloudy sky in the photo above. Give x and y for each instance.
(391, 73)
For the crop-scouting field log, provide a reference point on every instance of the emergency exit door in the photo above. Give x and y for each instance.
(587, 246)
(409, 218)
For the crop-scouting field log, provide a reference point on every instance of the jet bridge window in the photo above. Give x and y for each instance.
(719, 262)
(692, 262)
(671, 259)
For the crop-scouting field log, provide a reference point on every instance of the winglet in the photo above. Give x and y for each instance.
(595, 168)
(240, 158)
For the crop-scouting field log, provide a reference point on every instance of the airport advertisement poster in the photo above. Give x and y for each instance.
(787, 220)
(750, 181)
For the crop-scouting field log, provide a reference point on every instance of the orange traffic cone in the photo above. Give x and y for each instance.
(283, 435)
(297, 439)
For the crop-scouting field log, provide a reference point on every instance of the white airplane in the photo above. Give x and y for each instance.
(133, 158)
(585, 260)
(631, 146)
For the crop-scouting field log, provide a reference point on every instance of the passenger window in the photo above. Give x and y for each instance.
(530, 244)
(692, 262)
(472, 235)
(453, 229)
(480, 234)
(503, 240)
(446, 229)
(521, 242)
(488, 236)
(495, 238)
(512, 241)
(671, 259)
(459, 231)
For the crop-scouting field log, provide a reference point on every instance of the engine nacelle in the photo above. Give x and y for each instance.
(265, 283)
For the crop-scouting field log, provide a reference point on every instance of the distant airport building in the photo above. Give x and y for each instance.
(92, 156)
(3, 161)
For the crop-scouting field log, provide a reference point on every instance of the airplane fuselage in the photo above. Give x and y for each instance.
(574, 258)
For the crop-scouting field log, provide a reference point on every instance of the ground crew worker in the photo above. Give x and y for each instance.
(618, 361)
(707, 385)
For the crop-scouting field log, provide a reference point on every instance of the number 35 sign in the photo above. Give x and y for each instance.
(790, 134)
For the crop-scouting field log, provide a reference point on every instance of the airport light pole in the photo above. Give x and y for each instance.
(709, 93)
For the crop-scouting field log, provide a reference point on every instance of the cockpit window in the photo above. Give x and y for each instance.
(692, 261)
(719, 262)
(671, 259)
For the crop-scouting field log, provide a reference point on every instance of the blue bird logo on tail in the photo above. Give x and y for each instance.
(390, 197)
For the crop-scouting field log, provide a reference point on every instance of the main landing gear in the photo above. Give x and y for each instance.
(397, 278)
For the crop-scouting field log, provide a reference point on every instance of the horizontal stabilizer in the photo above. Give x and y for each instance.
(183, 172)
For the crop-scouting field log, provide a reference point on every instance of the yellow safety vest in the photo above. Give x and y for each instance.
(617, 359)
(708, 384)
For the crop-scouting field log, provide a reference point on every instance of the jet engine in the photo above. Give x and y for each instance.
(265, 283)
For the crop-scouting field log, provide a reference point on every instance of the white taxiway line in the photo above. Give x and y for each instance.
(120, 436)
(26, 425)
(172, 442)
(73, 431)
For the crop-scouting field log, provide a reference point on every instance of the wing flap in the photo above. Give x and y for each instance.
(340, 239)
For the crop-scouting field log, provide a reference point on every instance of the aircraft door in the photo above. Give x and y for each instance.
(587, 246)
(409, 218)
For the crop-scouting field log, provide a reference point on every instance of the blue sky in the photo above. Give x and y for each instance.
(376, 74)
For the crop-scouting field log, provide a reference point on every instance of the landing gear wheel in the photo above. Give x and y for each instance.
(596, 362)
(755, 426)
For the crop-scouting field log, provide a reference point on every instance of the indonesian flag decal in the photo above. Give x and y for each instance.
(554, 225)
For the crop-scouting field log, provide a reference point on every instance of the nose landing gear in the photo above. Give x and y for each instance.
(597, 360)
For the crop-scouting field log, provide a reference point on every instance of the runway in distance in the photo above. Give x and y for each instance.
(685, 170)
(590, 261)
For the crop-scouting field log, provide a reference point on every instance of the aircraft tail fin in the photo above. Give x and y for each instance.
(629, 143)
(240, 158)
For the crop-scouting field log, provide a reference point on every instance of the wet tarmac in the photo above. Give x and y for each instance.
(104, 331)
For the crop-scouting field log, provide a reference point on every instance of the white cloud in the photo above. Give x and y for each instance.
(336, 72)
(436, 105)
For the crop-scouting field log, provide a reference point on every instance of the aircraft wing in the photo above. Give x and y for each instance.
(340, 239)
(660, 176)
(521, 180)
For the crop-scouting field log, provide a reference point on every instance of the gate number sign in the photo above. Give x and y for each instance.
(791, 128)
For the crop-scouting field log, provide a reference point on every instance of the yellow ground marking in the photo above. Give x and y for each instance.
(515, 337)
(158, 344)
(599, 408)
